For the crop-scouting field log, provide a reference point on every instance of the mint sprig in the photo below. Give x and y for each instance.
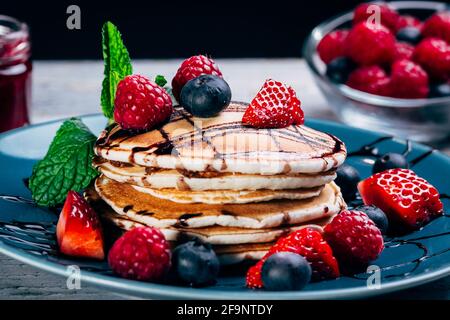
(117, 66)
(66, 166)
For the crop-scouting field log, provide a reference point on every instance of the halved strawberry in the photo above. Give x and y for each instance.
(407, 199)
(274, 106)
(307, 242)
(79, 231)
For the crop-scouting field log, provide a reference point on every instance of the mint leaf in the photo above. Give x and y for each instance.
(160, 80)
(117, 66)
(66, 166)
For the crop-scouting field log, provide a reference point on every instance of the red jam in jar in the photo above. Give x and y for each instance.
(15, 73)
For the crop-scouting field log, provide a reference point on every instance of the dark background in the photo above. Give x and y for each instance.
(175, 29)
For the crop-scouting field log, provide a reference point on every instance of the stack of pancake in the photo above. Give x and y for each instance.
(236, 187)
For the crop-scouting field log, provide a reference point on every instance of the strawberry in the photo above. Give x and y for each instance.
(275, 106)
(438, 25)
(307, 242)
(407, 199)
(408, 80)
(389, 17)
(332, 46)
(371, 79)
(433, 55)
(79, 232)
(403, 50)
(354, 238)
(408, 21)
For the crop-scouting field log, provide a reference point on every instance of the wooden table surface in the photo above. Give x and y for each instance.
(62, 89)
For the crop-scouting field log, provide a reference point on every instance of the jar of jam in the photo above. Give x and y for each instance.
(15, 73)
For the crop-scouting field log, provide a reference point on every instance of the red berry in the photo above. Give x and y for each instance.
(140, 103)
(408, 80)
(371, 79)
(274, 106)
(433, 55)
(408, 21)
(192, 68)
(79, 232)
(365, 11)
(438, 26)
(406, 198)
(307, 242)
(140, 254)
(355, 238)
(403, 50)
(332, 46)
(370, 44)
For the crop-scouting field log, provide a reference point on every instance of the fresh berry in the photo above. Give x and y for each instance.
(440, 90)
(355, 239)
(192, 68)
(403, 50)
(339, 69)
(140, 254)
(79, 232)
(377, 216)
(332, 46)
(407, 21)
(365, 11)
(370, 44)
(285, 271)
(407, 199)
(408, 80)
(370, 79)
(434, 56)
(205, 96)
(140, 103)
(275, 106)
(195, 263)
(410, 35)
(438, 25)
(347, 179)
(308, 243)
(389, 160)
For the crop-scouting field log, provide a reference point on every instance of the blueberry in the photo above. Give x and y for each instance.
(411, 35)
(347, 179)
(389, 161)
(205, 96)
(440, 90)
(195, 263)
(339, 69)
(377, 216)
(285, 271)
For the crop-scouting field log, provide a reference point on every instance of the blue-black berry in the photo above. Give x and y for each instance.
(347, 179)
(390, 161)
(339, 69)
(440, 90)
(411, 35)
(377, 216)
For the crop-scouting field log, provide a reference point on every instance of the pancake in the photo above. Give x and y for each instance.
(223, 144)
(229, 196)
(144, 208)
(197, 181)
(234, 254)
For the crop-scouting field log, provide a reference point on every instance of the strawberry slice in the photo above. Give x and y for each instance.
(407, 199)
(79, 231)
(275, 106)
(307, 242)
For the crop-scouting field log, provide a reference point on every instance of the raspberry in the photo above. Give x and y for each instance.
(438, 26)
(407, 199)
(140, 103)
(370, 44)
(355, 239)
(403, 50)
(389, 17)
(332, 46)
(408, 80)
(275, 106)
(308, 243)
(140, 254)
(408, 21)
(192, 68)
(433, 55)
(371, 79)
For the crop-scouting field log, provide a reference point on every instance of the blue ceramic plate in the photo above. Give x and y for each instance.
(27, 232)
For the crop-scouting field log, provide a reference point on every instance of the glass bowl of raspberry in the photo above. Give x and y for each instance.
(386, 66)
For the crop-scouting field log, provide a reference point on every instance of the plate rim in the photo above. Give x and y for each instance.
(169, 291)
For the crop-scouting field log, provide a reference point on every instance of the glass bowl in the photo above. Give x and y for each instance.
(425, 120)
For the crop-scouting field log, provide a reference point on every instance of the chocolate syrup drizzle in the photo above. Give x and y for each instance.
(39, 238)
